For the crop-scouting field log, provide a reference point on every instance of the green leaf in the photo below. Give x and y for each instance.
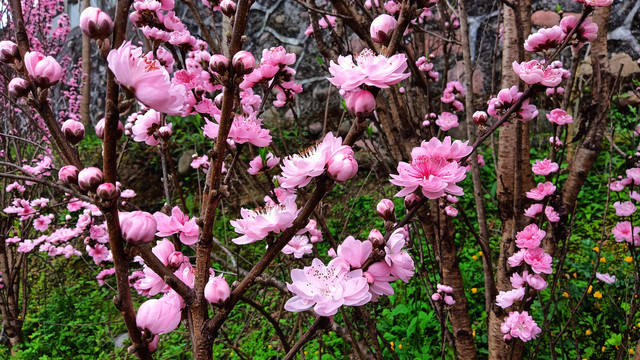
(320, 60)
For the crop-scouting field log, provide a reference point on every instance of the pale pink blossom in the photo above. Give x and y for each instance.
(616, 186)
(434, 168)
(506, 298)
(447, 121)
(322, 23)
(534, 72)
(399, 260)
(258, 164)
(159, 316)
(544, 167)
(530, 237)
(257, 224)
(327, 288)
(520, 325)
(146, 127)
(379, 277)
(543, 189)
(626, 208)
(634, 174)
(147, 79)
(354, 252)
(560, 117)
(369, 69)
(177, 223)
(634, 195)
(217, 289)
(244, 129)
(606, 278)
(298, 246)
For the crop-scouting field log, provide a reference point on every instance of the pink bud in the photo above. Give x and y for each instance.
(100, 129)
(376, 238)
(385, 210)
(382, 28)
(175, 259)
(153, 345)
(342, 166)
(370, 278)
(243, 62)
(90, 178)
(218, 63)
(18, 87)
(43, 70)
(480, 117)
(410, 201)
(107, 191)
(138, 227)
(228, 7)
(436, 297)
(361, 103)
(96, 23)
(165, 132)
(159, 316)
(217, 290)
(137, 19)
(68, 174)
(73, 131)
(449, 300)
(8, 52)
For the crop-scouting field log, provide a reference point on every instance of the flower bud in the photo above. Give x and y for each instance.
(217, 101)
(218, 63)
(68, 174)
(361, 103)
(480, 117)
(217, 290)
(138, 227)
(382, 28)
(243, 62)
(96, 23)
(342, 166)
(90, 178)
(228, 7)
(107, 191)
(18, 87)
(100, 129)
(175, 259)
(376, 238)
(436, 297)
(410, 201)
(8, 52)
(73, 131)
(43, 70)
(385, 210)
(165, 132)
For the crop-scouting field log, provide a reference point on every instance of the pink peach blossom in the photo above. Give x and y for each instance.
(544, 167)
(530, 237)
(257, 224)
(369, 69)
(626, 208)
(544, 39)
(560, 117)
(354, 252)
(520, 325)
(298, 246)
(543, 189)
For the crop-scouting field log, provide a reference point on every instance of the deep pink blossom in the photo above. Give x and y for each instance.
(534, 72)
(530, 237)
(434, 168)
(596, 3)
(177, 223)
(588, 30)
(257, 224)
(326, 288)
(369, 69)
(544, 39)
(543, 189)
(560, 117)
(520, 325)
(258, 164)
(551, 214)
(147, 79)
(540, 261)
(544, 167)
(43, 70)
(244, 129)
(499, 105)
(104, 273)
(42, 222)
(382, 28)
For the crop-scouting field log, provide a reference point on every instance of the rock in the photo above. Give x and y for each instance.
(344, 128)
(629, 66)
(545, 18)
(280, 19)
(184, 163)
(119, 340)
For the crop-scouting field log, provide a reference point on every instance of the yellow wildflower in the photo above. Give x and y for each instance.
(474, 290)
(474, 257)
(480, 253)
(575, 275)
(597, 295)
(603, 260)
(628, 259)
(589, 289)
(399, 346)
(588, 332)
(565, 294)
(596, 249)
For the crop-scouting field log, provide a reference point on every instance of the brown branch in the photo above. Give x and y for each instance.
(320, 323)
(152, 261)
